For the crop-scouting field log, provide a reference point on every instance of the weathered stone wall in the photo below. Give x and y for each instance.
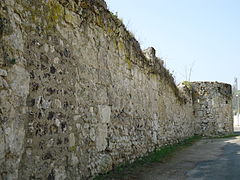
(78, 96)
(212, 103)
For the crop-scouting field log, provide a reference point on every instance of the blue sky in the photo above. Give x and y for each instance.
(202, 34)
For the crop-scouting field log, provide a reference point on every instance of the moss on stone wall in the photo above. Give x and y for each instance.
(55, 12)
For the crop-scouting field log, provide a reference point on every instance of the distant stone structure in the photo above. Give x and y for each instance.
(78, 96)
(212, 105)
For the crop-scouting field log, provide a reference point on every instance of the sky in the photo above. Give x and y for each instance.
(201, 35)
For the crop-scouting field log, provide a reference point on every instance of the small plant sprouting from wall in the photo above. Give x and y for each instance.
(187, 84)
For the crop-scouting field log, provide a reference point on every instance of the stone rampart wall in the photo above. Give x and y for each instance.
(78, 96)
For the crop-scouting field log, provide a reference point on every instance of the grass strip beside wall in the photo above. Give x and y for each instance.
(158, 155)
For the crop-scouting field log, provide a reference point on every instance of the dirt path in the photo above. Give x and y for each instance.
(208, 159)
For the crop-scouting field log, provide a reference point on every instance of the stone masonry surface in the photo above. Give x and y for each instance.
(79, 97)
(212, 108)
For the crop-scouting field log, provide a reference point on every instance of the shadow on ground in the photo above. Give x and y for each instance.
(208, 159)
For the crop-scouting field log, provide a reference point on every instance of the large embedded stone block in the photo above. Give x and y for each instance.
(71, 140)
(104, 113)
(19, 79)
(101, 137)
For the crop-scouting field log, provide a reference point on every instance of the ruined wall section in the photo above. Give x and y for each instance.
(212, 103)
(78, 96)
